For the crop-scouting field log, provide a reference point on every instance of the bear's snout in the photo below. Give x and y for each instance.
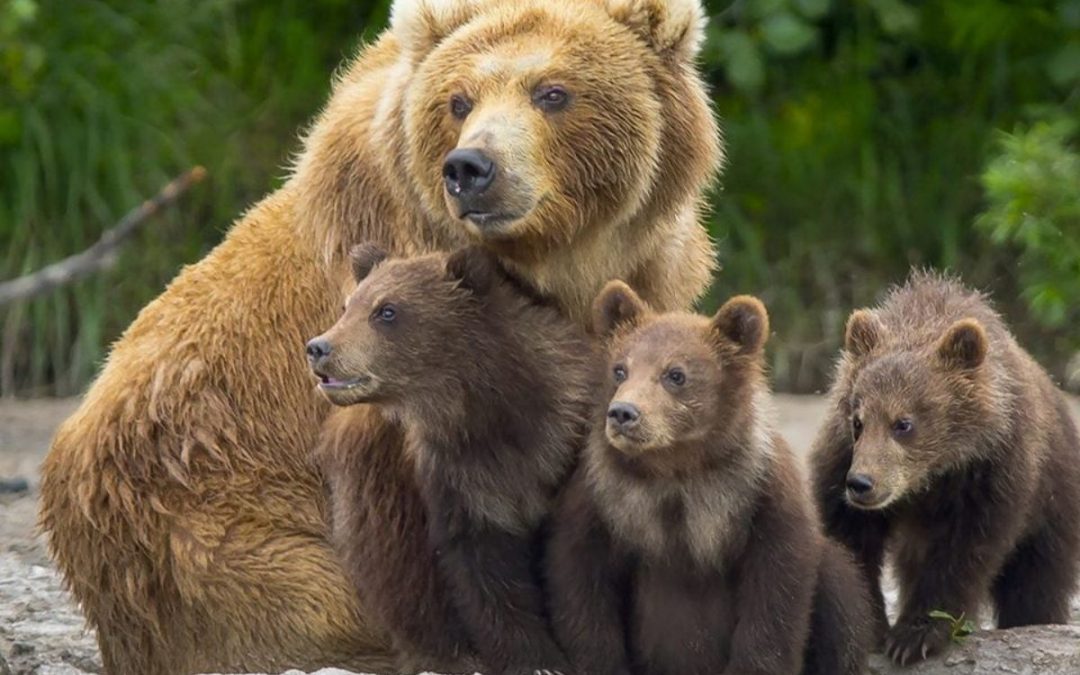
(318, 349)
(623, 416)
(859, 484)
(467, 173)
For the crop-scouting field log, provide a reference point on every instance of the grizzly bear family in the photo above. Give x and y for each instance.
(185, 502)
(180, 501)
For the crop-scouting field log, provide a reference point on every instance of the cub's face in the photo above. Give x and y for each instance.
(911, 412)
(395, 340)
(675, 378)
(527, 119)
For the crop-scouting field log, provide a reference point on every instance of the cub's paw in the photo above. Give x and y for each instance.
(910, 642)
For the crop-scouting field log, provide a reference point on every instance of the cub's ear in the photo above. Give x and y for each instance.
(675, 27)
(474, 268)
(420, 25)
(964, 345)
(616, 306)
(743, 322)
(364, 257)
(864, 332)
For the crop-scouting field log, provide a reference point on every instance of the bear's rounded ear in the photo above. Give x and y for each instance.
(364, 257)
(863, 333)
(615, 307)
(474, 268)
(743, 321)
(964, 345)
(420, 25)
(668, 26)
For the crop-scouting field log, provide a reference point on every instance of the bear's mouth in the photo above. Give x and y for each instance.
(869, 502)
(329, 383)
(626, 440)
(488, 220)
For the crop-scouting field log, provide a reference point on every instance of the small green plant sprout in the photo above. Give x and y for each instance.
(959, 626)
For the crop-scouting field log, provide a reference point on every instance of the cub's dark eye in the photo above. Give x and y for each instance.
(676, 376)
(856, 427)
(902, 427)
(460, 107)
(619, 373)
(551, 99)
(386, 313)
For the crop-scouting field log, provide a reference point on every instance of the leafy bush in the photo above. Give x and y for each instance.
(1033, 189)
(856, 136)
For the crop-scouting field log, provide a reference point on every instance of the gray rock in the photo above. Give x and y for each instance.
(1032, 650)
(14, 485)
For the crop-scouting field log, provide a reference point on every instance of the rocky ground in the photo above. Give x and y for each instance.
(41, 632)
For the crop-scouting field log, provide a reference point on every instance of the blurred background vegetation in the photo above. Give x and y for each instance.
(864, 137)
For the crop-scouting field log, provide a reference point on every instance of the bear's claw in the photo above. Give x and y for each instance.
(908, 643)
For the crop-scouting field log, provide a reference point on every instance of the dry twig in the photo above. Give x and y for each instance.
(102, 254)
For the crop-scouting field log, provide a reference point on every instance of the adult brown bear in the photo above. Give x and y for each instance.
(180, 501)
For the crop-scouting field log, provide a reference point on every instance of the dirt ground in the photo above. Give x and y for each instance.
(41, 632)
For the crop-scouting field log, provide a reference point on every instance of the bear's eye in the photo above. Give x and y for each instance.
(856, 427)
(676, 376)
(550, 99)
(460, 107)
(386, 313)
(902, 427)
(619, 373)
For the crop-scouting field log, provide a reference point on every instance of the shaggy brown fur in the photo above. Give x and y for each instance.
(686, 543)
(179, 501)
(948, 442)
(492, 390)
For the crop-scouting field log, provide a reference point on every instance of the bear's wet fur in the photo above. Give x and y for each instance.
(492, 387)
(947, 443)
(686, 542)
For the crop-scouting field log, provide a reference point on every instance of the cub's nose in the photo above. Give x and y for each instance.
(317, 349)
(625, 415)
(467, 172)
(859, 484)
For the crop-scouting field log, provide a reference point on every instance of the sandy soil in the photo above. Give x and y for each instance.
(41, 633)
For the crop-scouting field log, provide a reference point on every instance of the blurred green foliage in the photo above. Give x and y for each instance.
(1033, 192)
(864, 137)
(857, 133)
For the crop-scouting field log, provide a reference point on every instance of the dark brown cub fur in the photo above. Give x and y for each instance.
(947, 441)
(685, 542)
(490, 386)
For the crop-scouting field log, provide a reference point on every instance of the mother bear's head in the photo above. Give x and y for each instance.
(551, 131)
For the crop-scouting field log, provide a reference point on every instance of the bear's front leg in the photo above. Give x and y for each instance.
(586, 586)
(774, 594)
(944, 565)
(491, 576)
(862, 532)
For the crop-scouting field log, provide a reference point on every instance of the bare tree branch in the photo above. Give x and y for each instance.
(102, 254)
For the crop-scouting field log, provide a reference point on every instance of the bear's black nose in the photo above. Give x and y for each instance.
(623, 414)
(467, 172)
(859, 483)
(318, 349)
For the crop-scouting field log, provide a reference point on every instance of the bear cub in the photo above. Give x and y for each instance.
(491, 387)
(947, 443)
(685, 542)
